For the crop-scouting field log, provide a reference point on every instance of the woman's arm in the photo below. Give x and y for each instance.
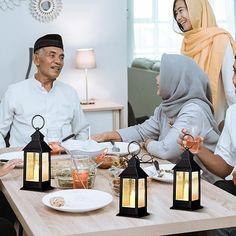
(106, 136)
(139, 133)
(166, 147)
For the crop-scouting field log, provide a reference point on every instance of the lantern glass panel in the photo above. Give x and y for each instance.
(45, 166)
(32, 168)
(128, 193)
(195, 186)
(182, 186)
(141, 193)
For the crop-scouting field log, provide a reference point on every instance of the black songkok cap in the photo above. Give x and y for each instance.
(49, 40)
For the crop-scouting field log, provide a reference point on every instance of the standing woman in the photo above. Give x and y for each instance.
(211, 47)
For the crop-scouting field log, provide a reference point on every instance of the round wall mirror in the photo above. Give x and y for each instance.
(46, 6)
(45, 10)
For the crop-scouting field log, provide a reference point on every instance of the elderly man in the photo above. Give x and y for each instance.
(57, 102)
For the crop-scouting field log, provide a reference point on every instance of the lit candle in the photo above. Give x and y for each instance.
(132, 198)
(141, 198)
(36, 172)
(45, 168)
(186, 189)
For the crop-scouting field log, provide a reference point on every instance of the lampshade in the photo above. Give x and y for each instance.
(85, 58)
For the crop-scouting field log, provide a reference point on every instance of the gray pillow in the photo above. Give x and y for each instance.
(156, 66)
(142, 63)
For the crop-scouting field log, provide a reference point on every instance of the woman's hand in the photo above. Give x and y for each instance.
(234, 177)
(107, 136)
(185, 140)
(99, 137)
(6, 168)
(145, 144)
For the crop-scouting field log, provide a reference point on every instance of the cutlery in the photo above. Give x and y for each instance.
(4, 160)
(114, 147)
(68, 137)
(156, 165)
(97, 165)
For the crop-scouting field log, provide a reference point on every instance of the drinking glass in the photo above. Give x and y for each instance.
(54, 135)
(193, 137)
(80, 171)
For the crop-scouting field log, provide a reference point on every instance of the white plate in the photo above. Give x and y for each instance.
(12, 155)
(167, 177)
(79, 200)
(123, 146)
(87, 147)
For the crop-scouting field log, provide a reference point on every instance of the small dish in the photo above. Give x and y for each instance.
(167, 173)
(123, 147)
(79, 200)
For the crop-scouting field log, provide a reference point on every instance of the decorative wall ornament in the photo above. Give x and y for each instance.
(9, 4)
(45, 10)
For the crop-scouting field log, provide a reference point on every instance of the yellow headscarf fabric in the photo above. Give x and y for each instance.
(206, 43)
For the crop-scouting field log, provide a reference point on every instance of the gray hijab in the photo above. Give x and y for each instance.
(182, 81)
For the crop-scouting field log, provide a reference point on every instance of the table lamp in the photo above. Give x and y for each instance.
(85, 59)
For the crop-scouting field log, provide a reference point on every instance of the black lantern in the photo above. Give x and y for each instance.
(133, 190)
(37, 162)
(187, 184)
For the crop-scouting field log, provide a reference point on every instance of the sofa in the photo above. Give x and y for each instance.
(142, 88)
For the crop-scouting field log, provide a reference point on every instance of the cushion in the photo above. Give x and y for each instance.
(142, 63)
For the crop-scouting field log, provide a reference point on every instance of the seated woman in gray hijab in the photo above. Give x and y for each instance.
(186, 100)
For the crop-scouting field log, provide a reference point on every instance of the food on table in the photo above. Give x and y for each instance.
(116, 185)
(91, 177)
(58, 164)
(64, 178)
(80, 178)
(106, 160)
(120, 162)
(57, 201)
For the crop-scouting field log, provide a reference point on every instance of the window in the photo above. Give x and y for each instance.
(150, 26)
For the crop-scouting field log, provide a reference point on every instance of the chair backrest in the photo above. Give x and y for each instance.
(221, 125)
(7, 139)
(131, 117)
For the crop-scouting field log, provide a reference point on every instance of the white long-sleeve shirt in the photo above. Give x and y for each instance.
(60, 107)
(226, 146)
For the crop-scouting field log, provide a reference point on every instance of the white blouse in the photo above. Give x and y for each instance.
(226, 91)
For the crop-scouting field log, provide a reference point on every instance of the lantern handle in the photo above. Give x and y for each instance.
(129, 148)
(32, 122)
(193, 140)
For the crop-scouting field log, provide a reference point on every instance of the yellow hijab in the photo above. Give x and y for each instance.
(206, 43)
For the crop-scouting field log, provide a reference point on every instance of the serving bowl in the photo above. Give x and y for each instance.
(79, 147)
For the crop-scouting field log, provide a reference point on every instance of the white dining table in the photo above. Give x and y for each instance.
(219, 211)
